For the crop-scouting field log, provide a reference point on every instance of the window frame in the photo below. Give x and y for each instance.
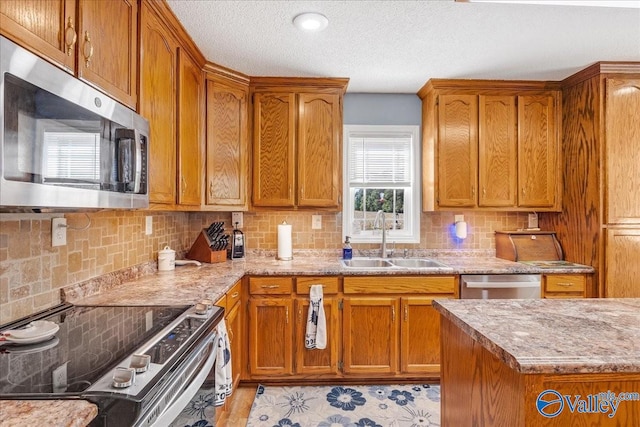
(415, 194)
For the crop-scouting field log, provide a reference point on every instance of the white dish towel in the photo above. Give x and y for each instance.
(223, 374)
(316, 334)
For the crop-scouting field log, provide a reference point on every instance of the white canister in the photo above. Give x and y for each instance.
(166, 259)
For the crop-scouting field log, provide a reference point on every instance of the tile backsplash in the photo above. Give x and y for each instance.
(32, 271)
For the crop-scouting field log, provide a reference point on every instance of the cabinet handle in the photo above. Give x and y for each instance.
(270, 286)
(393, 314)
(87, 49)
(406, 313)
(70, 36)
(524, 192)
(235, 295)
(230, 331)
(211, 188)
(286, 315)
(300, 315)
(473, 191)
(184, 184)
(290, 189)
(565, 284)
(484, 191)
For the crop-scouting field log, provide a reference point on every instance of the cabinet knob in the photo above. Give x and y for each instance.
(87, 49)
(70, 36)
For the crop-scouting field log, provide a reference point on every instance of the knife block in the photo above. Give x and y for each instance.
(201, 250)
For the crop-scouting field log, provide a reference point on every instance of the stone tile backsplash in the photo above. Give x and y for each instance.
(32, 271)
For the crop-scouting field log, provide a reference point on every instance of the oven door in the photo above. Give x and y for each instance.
(186, 382)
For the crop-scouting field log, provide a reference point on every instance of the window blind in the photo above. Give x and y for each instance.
(72, 155)
(379, 159)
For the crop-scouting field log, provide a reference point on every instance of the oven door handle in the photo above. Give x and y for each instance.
(172, 412)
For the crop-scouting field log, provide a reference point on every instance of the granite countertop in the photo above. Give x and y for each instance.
(553, 336)
(189, 283)
(58, 413)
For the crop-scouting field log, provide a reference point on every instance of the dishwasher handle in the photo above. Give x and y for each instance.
(501, 285)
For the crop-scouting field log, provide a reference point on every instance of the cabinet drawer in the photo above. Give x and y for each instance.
(233, 295)
(329, 284)
(399, 285)
(270, 285)
(565, 283)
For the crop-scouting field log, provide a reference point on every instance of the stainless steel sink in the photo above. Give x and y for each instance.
(366, 263)
(417, 263)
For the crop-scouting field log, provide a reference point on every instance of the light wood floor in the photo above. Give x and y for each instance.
(236, 411)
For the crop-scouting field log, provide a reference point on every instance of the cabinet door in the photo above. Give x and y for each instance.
(621, 267)
(227, 145)
(420, 336)
(457, 150)
(370, 334)
(497, 144)
(319, 150)
(270, 336)
(47, 27)
(538, 144)
(234, 329)
(622, 154)
(317, 361)
(158, 105)
(107, 47)
(273, 149)
(190, 144)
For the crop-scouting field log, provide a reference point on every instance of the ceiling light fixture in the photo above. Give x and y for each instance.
(311, 22)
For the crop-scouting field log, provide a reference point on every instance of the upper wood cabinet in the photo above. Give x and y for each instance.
(190, 146)
(297, 142)
(227, 146)
(171, 98)
(622, 116)
(158, 103)
(491, 145)
(94, 40)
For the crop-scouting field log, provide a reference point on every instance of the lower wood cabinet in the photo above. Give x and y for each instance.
(397, 334)
(377, 326)
(564, 285)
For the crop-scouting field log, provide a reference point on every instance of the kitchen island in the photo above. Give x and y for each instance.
(540, 362)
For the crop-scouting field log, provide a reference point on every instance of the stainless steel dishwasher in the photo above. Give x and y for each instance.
(500, 286)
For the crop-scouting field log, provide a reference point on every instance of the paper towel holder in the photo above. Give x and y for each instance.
(285, 246)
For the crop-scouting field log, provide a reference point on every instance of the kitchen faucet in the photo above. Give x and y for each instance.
(380, 222)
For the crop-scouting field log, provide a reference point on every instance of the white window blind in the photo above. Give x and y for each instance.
(72, 155)
(379, 159)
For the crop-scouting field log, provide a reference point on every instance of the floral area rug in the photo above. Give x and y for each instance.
(348, 406)
(199, 412)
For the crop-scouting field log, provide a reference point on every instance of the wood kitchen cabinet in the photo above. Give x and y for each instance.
(297, 142)
(278, 318)
(564, 285)
(601, 202)
(227, 141)
(390, 327)
(171, 87)
(94, 40)
(491, 145)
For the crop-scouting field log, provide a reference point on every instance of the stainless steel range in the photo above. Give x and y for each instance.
(140, 365)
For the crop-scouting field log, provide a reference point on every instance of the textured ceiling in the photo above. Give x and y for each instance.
(396, 46)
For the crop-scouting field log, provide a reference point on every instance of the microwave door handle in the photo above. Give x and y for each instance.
(137, 157)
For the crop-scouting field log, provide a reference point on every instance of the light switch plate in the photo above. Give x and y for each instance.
(316, 222)
(458, 218)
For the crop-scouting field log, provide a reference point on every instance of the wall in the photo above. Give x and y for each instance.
(32, 271)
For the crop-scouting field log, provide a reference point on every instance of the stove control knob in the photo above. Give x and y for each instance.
(123, 377)
(201, 308)
(140, 362)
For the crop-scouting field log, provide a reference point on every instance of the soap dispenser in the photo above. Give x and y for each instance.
(347, 252)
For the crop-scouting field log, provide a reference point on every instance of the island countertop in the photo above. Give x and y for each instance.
(553, 336)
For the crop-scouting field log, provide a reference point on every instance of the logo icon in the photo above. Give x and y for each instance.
(549, 403)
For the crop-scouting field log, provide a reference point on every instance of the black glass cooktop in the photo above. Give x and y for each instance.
(89, 342)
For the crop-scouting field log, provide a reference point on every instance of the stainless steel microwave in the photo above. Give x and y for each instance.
(63, 144)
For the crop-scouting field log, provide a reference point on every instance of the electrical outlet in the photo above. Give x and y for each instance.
(59, 378)
(148, 226)
(58, 231)
(458, 218)
(236, 219)
(316, 222)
